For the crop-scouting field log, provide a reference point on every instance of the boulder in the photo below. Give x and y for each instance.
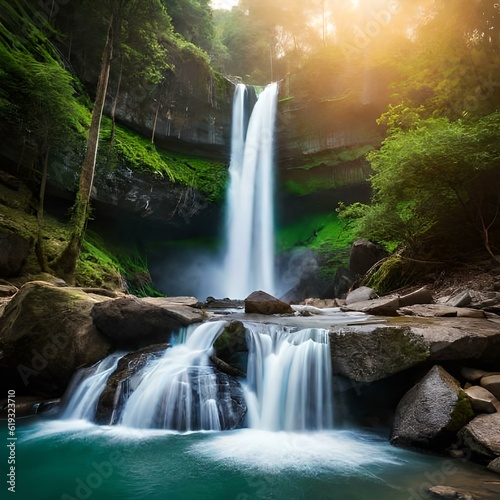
(472, 374)
(482, 400)
(372, 351)
(14, 250)
(482, 436)
(361, 294)
(492, 384)
(421, 296)
(231, 347)
(112, 397)
(262, 303)
(449, 493)
(132, 323)
(430, 311)
(431, 412)
(366, 354)
(494, 466)
(364, 254)
(385, 306)
(462, 299)
(46, 333)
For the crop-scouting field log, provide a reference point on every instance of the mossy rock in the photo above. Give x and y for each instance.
(47, 332)
(231, 345)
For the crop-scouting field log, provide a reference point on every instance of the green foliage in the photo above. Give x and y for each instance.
(137, 152)
(435, 175)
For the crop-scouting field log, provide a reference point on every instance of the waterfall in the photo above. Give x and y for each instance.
(249, 260)
(289, 374)
(182, 390)
(87, 386)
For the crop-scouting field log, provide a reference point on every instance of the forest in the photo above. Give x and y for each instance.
(425, 74)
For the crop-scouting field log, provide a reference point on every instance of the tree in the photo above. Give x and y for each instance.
(436, 182)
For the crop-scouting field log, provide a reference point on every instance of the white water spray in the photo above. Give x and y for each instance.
(249, 260)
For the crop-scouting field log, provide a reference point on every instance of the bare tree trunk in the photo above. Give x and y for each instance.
(66, 263)
(39, 246)
(115, 104)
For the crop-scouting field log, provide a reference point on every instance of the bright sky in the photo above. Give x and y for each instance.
(223, 4)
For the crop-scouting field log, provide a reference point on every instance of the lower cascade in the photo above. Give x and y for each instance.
(288, 385)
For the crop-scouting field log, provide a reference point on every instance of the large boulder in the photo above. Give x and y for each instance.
(431, 412)
(366, 354)
(231, 346)
(361, 294)
(46, 332)
(132, 323)
(14, 250)
(364, 254)
(262, 303)
(370, 352)
(482, 401)
(482, 436)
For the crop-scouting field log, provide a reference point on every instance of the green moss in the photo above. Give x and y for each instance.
(393, 273)
(335, 157)
(139, 153)
(462, 413)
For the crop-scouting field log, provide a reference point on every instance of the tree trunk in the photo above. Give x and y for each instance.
(66, 263)
(39, 246)
(114, 105)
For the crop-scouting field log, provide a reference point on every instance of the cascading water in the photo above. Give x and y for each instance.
(182, 390)
(249, 260)
(289, 374)
(87, 386)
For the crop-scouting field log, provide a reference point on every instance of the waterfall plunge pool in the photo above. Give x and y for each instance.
(71, 459)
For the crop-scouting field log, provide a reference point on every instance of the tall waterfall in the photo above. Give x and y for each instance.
(289, 374)
(249, 260)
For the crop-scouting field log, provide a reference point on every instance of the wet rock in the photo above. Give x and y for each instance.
(431, 412)
(482, 400)
(482, 436)
(46, 333)
(361, 294)
(421, 296)
(115, 393)
(132, 323)
(262, 303)
(449, 493)
(213, 303)
(231, 346)
(364, 254)
(13, 253)
(492, 384)
(430, 311)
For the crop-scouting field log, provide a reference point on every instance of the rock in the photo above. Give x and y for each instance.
(482, 400)
(173, 301)
(449, 493)
(263, 303)
(421, 296)
(8, 290)
(385, 306)
(226, 367)
(472, 374)
(367, 354)
(231, 346)
(212, 303)
(494, 465)
(13, 253)
(46, 332)
(27, 406)
(431, 412)
(430, 311)
(321, 303)
(361, 294)
(364, 254)
(462, 299)
(465, 312)
(132, 323)
(482, 436)
(112, 397)
(363, 351)
(492, 384)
